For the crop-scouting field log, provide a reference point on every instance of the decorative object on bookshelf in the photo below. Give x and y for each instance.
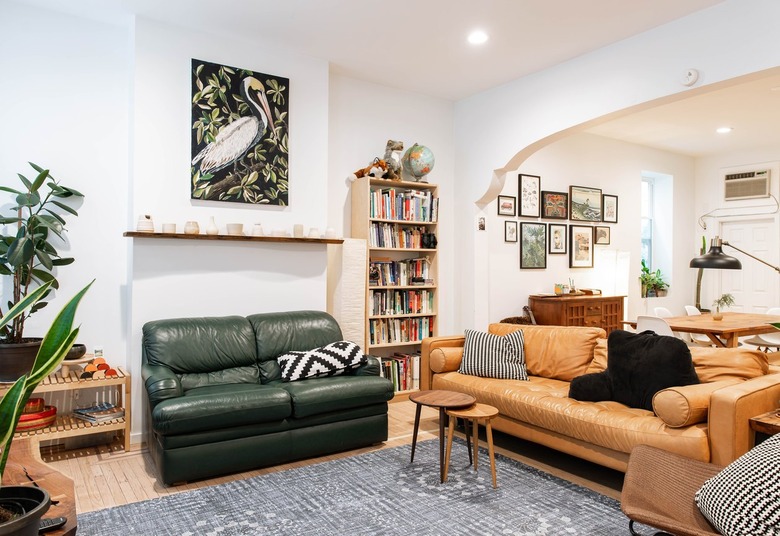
(398, 221)
(417, 162)
(36, 415)
(392, 158)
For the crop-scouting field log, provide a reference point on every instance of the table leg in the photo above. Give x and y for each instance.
(489, 434)
(475, 430)
(416, 427)
(467, 433)
(442, 419)
(447, 456)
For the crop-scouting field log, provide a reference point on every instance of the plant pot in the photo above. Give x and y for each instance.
(29, 502)
(17, 359)
(76, 352)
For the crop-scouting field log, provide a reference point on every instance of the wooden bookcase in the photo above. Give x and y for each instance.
(401, 272)
(68, 426)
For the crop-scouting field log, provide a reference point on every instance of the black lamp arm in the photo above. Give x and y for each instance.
(775, 268)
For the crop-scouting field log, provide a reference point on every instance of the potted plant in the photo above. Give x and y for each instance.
(28, 256)
(725, 300)
(653, 283)
(21, 507)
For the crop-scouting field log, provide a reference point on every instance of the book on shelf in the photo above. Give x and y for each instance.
(403, 369)
(105, 411)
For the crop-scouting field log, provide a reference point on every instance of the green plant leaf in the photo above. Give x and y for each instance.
(65, 207)
(39, 180)
(25, 303)
(9, 190)
(44, 258)
(25, 181)
(70, 192)
(63, 261)
(21, 251)
(28, 199)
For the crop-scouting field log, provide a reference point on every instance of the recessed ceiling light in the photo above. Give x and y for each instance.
(478, 37)
(723, 130)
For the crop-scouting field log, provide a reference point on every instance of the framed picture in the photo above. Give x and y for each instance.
(506, 205)
(529, 187)
(584, 203)
(610, 207)
(580, 246)
(555, 205)
(533, 243)
(557, 242)
(602, 235)
(510, 231)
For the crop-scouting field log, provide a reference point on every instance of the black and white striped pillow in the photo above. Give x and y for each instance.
(492, 356)
(330, 360)
(744, 498)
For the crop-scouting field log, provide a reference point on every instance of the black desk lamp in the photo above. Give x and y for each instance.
(715, 258)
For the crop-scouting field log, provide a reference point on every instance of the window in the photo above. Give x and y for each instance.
(647, 220)
(657, 222)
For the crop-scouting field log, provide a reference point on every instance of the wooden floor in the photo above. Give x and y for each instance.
(107, 476)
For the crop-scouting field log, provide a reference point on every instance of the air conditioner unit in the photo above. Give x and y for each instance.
(746, 185)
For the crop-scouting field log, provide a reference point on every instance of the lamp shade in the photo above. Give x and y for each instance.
(715, 258)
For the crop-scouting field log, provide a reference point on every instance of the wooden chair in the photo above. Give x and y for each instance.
(659, 490)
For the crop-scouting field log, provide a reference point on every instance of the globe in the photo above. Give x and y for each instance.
(418, 161)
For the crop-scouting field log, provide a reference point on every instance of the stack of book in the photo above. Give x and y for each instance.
(104, 411)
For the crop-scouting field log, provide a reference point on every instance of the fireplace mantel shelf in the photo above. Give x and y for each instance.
(239, 238)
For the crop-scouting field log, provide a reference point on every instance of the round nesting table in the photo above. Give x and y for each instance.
(478, 413)
(443, 400)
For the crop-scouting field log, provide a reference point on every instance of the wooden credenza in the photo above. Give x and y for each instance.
(588, 310)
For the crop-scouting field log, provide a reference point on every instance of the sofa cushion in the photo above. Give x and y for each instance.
(315, 396)
(688, 404)
(561, 353)
(329, 360)
(744, 498)
(446, 359)
(202, 345)
(715, 364)
(279, 333)
(599, 362)
(221, 406)
(493, 356)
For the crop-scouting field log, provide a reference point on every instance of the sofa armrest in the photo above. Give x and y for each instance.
(160, 383)
(730, 411)
(370, 368)
(428, 345)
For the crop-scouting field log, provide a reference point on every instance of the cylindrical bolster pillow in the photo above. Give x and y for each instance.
(686, 405)
(446, 359)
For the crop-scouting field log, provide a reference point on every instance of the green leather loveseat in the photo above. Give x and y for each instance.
(217, 403)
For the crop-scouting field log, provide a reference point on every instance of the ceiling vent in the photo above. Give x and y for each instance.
(746, 185)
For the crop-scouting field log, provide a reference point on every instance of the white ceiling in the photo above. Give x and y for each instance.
(420, 46)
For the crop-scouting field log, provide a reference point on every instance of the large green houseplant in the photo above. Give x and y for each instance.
(28, 256)
(14, 518)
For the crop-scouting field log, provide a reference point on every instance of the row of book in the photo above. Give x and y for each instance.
(402, 369)
(400, 273)
(392, 235)
(404, 302)
(396, 330)
(405, 205)
(104, 411)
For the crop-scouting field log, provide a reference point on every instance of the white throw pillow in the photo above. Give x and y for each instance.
(493, 356)
(330, 360)
(744, 498)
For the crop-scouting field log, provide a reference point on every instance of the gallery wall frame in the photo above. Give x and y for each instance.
(529, 189)
(601, 235)
(556, 245)
(584, 203)
(580, 246)
(609, 208)
(555, 205)
(533, 244)
(507, 205)
(510, 231)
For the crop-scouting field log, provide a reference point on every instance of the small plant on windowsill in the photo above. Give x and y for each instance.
(653, 284)
(726, 300)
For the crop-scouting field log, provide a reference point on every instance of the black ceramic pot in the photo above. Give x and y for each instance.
(17, 359)
(29, 502)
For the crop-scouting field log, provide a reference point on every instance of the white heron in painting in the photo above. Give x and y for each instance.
(236, 138)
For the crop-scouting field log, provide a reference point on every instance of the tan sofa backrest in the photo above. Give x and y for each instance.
(561, 353)
(717, 364)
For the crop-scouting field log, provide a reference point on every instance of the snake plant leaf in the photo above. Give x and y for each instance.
(20, 306)
(11, 407)
(775, 324)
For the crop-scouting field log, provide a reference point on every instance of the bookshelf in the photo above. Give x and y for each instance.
(399, 222)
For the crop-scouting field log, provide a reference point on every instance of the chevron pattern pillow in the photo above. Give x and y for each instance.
(744, 498)
(493, 356)
(330, 360)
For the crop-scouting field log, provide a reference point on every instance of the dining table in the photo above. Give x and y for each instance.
(724, 333)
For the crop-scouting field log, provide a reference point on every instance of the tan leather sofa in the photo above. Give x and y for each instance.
(707, 422)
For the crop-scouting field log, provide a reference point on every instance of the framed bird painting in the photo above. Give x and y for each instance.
(239, 135)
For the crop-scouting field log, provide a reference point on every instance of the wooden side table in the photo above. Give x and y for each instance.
(765, 425)
(478, 413)
(443, 400)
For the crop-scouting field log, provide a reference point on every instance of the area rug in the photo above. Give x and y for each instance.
(378, 493)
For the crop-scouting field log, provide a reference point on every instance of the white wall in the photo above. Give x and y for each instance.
(66, 87)
(493, 130)
(616, 168)
(363, 116)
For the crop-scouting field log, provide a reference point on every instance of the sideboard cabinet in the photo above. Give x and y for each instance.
(584, 310)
